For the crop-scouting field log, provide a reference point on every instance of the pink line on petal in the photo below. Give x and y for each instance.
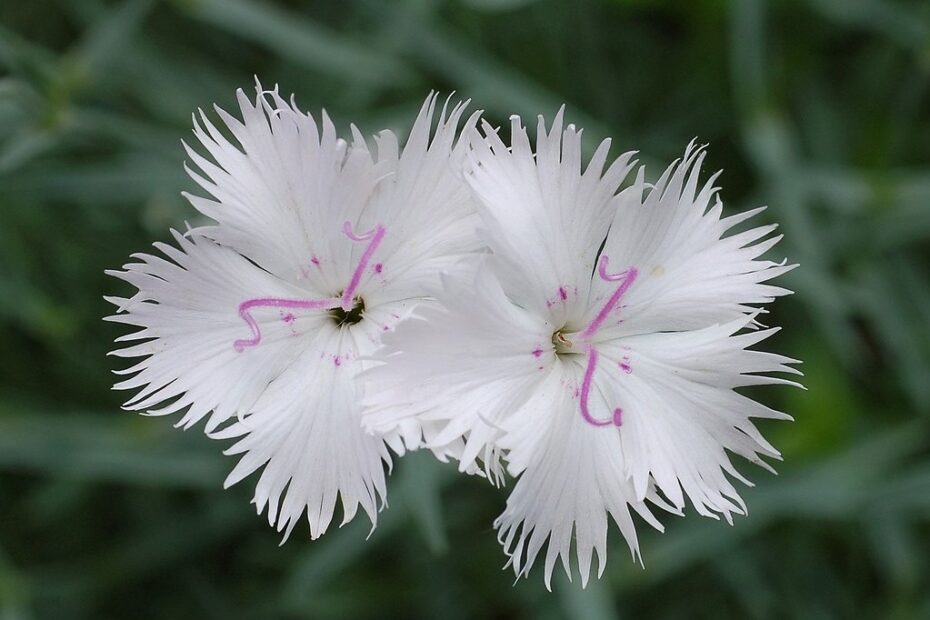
(245, 311)
(376, 236)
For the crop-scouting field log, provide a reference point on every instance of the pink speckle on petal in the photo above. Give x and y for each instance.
(625, 365)
(386, 328)
(288, 318)
(618, 416)
(315, 261)
(563, 294)
(337, 360)
(537, 352)
(379, 268)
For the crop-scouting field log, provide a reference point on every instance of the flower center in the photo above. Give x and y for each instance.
(625, 279)
(563, 346)
(345, 309)
(352, 316)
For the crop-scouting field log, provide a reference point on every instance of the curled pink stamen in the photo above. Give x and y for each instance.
(626, 279)
(586, 391)
(347, 229)
(609, 277)
(245, 311)
(376, 236)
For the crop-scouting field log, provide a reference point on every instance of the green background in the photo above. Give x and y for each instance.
(818, 108)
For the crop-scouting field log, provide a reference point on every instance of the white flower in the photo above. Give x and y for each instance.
(259, 321)
(595, 350)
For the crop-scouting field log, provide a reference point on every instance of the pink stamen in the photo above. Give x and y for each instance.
(245, 311)
(626, 279)
(586, 390)
(375, 236)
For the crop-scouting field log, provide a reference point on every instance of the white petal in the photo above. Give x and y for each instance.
(305, 430)
(425, 205)
(188, 311)
(282, 194)
(544, 217)
(689, 274)
(459, 367)
(681, 415)
(572, 479)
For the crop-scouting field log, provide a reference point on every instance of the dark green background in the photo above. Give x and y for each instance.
(819, 108)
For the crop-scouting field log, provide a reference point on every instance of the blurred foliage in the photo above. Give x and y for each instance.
(820, 108)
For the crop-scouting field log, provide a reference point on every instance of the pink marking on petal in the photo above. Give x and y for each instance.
(375, 236)
(563, 294)
(626, 279)
(537, 352)
(337, 360)
(288, 318)
(245, 311)
(625, 365)
(315, 261)
(379, 268)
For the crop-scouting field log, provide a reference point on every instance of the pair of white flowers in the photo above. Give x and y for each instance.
(504, 306)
